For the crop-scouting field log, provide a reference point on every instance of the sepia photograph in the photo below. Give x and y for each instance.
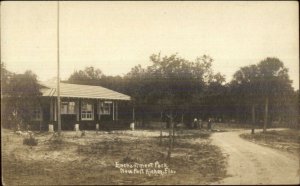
(150, 93)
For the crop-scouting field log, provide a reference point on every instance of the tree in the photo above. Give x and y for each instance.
(267, 82)
(94, 76)
(89, 75)
(5, 76)
(171, 82)
(245, 88)
(21, 94)
(274, 83)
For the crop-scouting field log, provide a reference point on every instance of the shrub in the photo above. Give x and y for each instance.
(31, 141)
(56, 142)
(56, 139)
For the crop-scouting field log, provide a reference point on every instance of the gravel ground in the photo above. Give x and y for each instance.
(250, 163)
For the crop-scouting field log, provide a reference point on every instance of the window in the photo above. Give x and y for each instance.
(37, 114)
(104, 107)
(87, 111)
(67, 108)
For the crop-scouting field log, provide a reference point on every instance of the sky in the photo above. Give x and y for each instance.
(116, 36)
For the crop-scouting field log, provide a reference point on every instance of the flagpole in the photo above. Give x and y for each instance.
(58, 78)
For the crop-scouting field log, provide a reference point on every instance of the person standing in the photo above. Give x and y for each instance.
(209, 124)
(200, 123)
(195, 123)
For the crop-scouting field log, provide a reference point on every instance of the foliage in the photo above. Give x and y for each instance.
(191, 89)
(93, 76)
(172, 83)
(30, 140)
(5, 77)
(56, 142)
(56, 139)
(252, 84)
(89, 74)
(20, 94)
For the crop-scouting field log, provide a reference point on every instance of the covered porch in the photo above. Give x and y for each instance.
(87, 106)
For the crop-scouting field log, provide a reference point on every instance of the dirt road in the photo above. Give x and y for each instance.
(250, 163)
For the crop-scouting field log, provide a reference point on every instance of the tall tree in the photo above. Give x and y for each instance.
(172, 82)
(20, 96)
(274, 83)
(267, 82)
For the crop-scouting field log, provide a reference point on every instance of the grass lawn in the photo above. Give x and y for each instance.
(287, 140)
(91, 159)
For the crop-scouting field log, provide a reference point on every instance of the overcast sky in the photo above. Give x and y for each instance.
(115, 36)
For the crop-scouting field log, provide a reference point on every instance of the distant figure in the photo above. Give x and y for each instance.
(195, 123)
(200, 123)
(209, 124)
(132, 126)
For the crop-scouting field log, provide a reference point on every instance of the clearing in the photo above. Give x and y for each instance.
(282, 139)
(91, 159)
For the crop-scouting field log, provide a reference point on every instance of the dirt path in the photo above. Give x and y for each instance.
(250, 163)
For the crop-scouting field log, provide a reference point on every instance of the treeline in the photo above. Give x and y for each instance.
(261, 94)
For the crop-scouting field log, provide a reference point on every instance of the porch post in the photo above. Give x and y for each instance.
(99, 115)
(51, 110)
(98, 109)
(55, 112)
(113, 103)
(52, 116)
(77, 110)
(116, 110)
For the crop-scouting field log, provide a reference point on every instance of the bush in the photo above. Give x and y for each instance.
(31, 141)
(56, 139)
(56, 142)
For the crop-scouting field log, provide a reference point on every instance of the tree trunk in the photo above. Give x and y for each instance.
(266, 114)
(253, 118)
(40, 126)
(170, 137)
(161, 128)
(173, 134)
(182, 118)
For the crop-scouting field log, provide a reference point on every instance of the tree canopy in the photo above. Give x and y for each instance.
(88, 75)
(188, 88)
(192, 88)
(20, 94)
(268, 79)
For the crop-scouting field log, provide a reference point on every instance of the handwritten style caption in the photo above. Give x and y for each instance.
(150, 169)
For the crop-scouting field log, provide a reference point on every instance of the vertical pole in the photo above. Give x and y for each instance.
(173, 134)
(117, 110)
(113, 103)
(0, 36)
(58, 78)
(161, 126)
(182, 118)
(98, 109)
(133, 114)
(55, 109)
(42, 116)
(266, 114)
(170, 137)
(77, 110)
(253, 118)
(51, 110)
(99, 114)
